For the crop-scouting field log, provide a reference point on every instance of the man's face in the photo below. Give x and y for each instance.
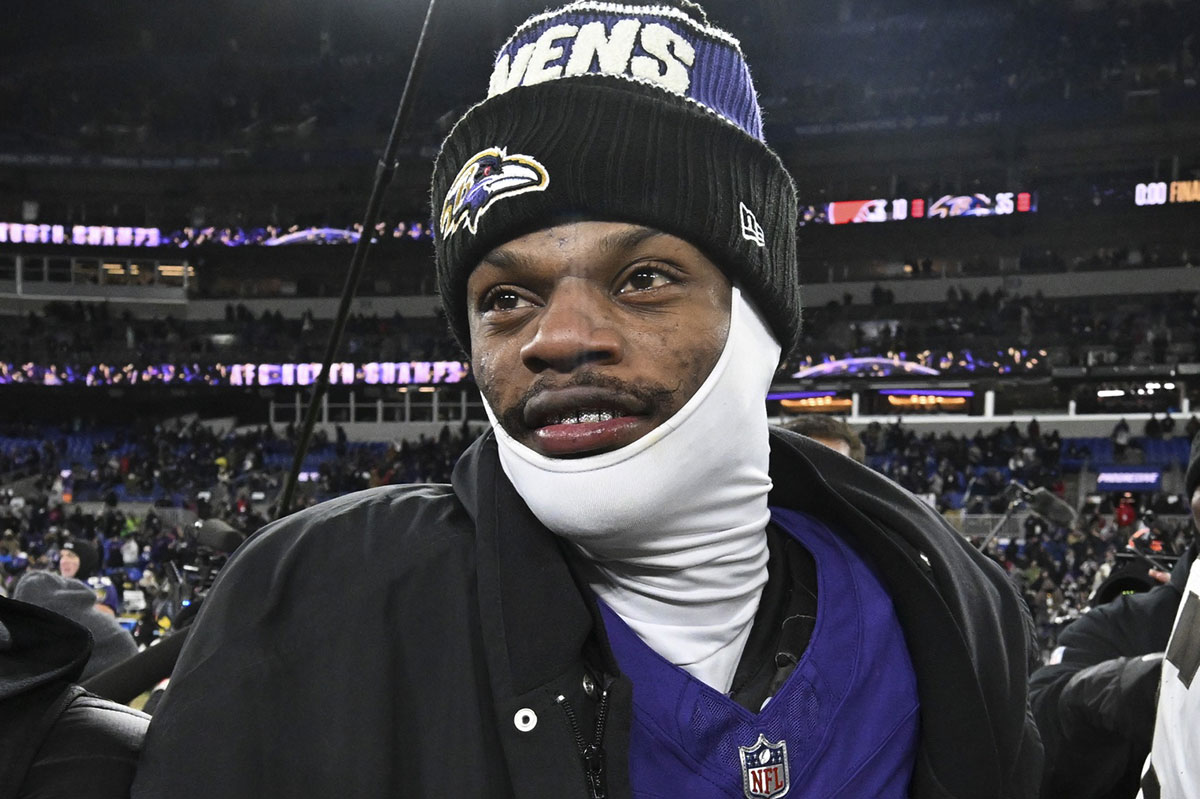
(68, 564)
(588, 335)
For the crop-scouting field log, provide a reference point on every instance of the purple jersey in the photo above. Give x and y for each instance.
(845, 722)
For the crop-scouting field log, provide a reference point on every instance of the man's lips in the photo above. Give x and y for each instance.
(584, 419)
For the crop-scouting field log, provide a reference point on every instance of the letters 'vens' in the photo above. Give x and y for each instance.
(647, 51)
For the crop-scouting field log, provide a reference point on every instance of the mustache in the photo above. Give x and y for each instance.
(647, 395)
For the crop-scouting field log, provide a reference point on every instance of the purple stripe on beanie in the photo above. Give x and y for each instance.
(652, 48)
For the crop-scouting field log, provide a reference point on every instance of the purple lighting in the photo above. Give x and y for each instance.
(788, 395)
(876, 366)
(324, 235)
(401, 373)
(929, 392)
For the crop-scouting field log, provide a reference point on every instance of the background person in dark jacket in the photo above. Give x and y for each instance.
(633, 586)
(1172, 770)
(1094, 700)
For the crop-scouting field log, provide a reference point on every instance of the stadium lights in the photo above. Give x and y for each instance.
(932, 392)
(926, 400)
(799, 395)
(176, 270)
(828, 403)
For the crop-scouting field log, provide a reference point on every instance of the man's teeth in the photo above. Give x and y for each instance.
(586, 417)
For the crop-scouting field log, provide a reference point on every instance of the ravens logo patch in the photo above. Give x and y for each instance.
(488, 176)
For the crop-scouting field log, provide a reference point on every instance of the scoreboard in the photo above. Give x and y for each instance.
(1164, 193)
(947, 206)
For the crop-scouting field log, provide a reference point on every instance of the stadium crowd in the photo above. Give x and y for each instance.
(91, 333)
(981, 59)
(322, 82)
(999, 331)
(174, 462)
(234, 477)
(1150, 329)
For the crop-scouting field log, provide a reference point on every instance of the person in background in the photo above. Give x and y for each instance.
(68, 563)
(830, 431)
(1094, 698)
(1173, 767)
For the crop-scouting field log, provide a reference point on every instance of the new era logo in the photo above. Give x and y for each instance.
(751, 230)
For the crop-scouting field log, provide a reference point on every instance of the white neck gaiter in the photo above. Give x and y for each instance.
(673, 526)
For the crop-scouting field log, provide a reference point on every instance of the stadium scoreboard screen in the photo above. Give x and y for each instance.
(1167, 193)
(1129, 478)
(947, 206)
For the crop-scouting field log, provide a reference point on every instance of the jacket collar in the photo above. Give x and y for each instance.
(961, 618)
(532, 610)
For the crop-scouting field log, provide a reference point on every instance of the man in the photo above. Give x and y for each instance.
(1172, 770)
(632, 586)
(1094, 698)
(68, 563)
(833, 433)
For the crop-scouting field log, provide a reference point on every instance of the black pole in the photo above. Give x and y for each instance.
(384, 171)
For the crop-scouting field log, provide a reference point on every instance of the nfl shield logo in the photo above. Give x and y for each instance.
(764, 769)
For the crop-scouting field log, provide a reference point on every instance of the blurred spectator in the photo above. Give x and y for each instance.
(1120, 437)
(76, 601)
(68, 563)
(833, 433)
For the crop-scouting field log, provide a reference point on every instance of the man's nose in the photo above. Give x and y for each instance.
(576, 327)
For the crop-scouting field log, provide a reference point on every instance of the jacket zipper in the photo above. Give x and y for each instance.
(592, 753)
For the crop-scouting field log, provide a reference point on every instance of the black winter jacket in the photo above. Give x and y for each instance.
(422, 641)
(56, 740)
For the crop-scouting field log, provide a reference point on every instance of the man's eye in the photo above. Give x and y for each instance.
(505, 300)
(644, 279)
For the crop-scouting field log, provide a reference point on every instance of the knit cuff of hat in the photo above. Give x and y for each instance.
(596, 149)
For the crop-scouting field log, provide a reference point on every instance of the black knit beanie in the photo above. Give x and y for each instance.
(625, 113)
